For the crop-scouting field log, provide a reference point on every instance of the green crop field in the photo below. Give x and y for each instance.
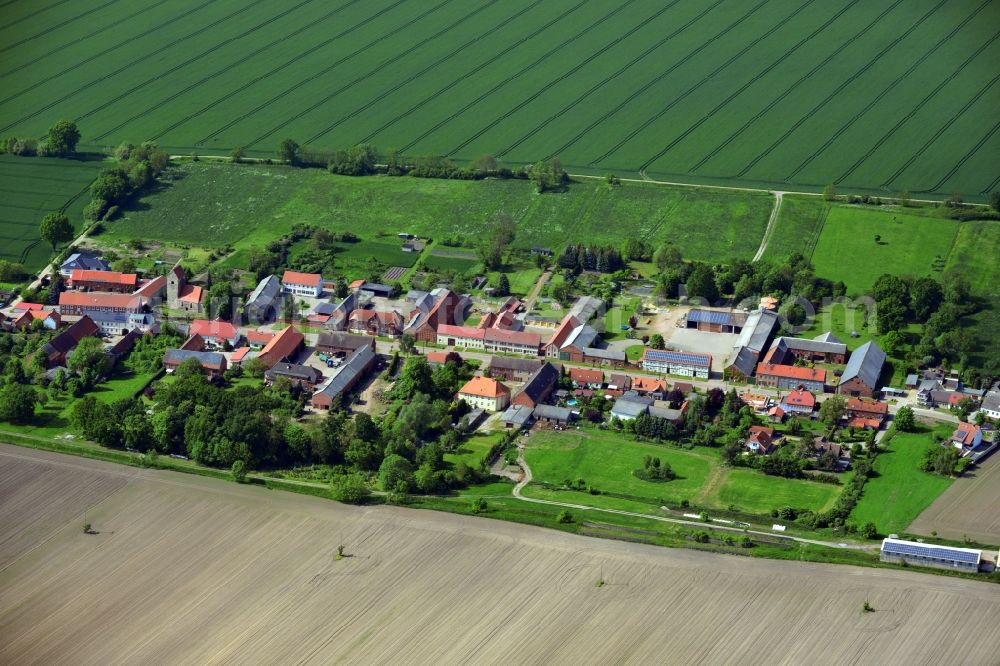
(880, 94)
(32, 187)
(250, 205)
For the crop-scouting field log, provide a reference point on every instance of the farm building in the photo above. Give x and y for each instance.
(282, 347)
(485, 393)
(754, 339)
(863, 370)
(376, 323)
(552, 414)
(345, 378)
(786, 351)
(517, 416)
(862, 413)
(629, 407)
(299, 375)
(121, 283)
(376, 289)
(58, 348)
(82, 261)
(212, 363)
(663, 410)
(302, 284)
(341, 344)
(716, 321)
(513, 369)
(791, 376)
(492, 340)
(264, 302)
(677, 363)
(899, 551)
(538, 387)
(443, 308)
(605, 356)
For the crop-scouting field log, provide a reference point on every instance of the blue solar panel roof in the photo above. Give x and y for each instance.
(709, 317)
(925, 550)
(677, 357)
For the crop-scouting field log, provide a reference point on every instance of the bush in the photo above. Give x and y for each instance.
(350, 489)
(479, 505)
(868, 531)
(564, 517)
(239, 470)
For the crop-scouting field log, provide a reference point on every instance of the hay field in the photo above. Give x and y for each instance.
(190, 570)
(967, 508)
(887, 94)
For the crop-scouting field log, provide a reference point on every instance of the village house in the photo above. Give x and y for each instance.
(212, 363)
(513, 369)
(302, 284)
(863, 370)
(760, 440)
(676, 363)
(538, 387)
(435, 358)
(50, 319)
(82, 260)
(258, 339)
(345, 378)
(80, 302)
(485, 393)
(991, 404)
(376, 323)
(618, 381)
(342, 344)
(791, 376)
(113, 281)
(967, 437)
(655, 389)
(491, 340)
(799, 402)
(586, 378)
(117, 323)
(447, 309)
(216, 332)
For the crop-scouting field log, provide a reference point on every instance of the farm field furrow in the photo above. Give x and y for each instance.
(784, 94)
(966, 508)
(194, 570)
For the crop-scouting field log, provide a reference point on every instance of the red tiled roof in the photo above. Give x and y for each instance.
(281, 346)
(307, 279)
(451, 331)
(214, 329)
(190, 294)
(648, 384)
(259, 337)
(28, 306)
(799, 399)
(96, 299)
(513, 337)
(867, 406)
(965, 434)
(82, 275)
(861, 422)
(152, 287)
(484, 387)
(792, 372)
(357, 284)
(762, 435)
(586, 376)
(566, 327)
(240, 353)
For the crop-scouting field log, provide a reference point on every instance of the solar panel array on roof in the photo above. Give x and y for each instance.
(710, 317)
(680, 358)
(926, 550)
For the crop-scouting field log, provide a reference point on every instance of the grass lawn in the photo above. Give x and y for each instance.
(755, 492)
(895, 497)
(797, 229)
(909, 244)
(617, 316)
(473, 449)
(635, 352)
(123, 385)
(606, 460)
(522, 278)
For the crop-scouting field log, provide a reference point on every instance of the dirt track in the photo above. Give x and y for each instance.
(194, 570)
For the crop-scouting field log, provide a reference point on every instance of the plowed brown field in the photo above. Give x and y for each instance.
(968, 508)
(192, 570)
